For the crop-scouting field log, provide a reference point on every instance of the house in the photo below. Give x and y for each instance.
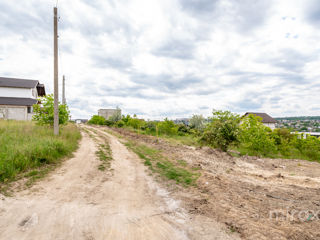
(17, 97)
(266, 119)
(107, 113)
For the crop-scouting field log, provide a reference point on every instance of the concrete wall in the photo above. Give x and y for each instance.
(18, 92)
(106, 113)
(15, 113)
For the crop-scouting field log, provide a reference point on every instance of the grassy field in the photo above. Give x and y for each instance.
(26, 149)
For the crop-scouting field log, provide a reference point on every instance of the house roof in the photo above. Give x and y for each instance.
(17, 101)
(265, 117)
(18, 83)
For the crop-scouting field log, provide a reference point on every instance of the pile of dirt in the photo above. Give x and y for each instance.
(260, 198)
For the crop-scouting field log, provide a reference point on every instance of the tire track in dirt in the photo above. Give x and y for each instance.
(77, 201)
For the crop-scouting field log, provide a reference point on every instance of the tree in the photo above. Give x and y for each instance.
(167, 127)
(44, 113)
(222, 131)
(197, 122)
(116, 116)
(255, 136)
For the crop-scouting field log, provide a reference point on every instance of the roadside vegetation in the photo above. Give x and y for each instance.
(44, 113)
(28, 149)
(157, 163)
(226, 131)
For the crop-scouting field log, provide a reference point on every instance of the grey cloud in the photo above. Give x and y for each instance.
(116, 62)
(242, 16)
(244, 77)
(182, 49)
(165, 82)
(199, 7)
(313, 13)
(291, 60)
(112, 24)
(248, 14)
(28, 24)
(247, 103)
(129, 92)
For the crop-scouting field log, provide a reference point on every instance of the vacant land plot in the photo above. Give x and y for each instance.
(30, 149)
(260, 198)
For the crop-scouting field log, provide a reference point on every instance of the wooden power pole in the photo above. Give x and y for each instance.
(64, 101)
(56, 92)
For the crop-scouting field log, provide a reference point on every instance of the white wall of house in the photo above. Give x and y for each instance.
(18, 92)
(270, 125)
(15, 112)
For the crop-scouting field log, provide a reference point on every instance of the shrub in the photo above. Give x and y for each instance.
(136, 123)
(45, 114)
(197, 122)
(281, 136)
(167, 127)
(309, 147)
(222, 131)
(120, 124)
(108, 123)
(256, 137)
(98, 120)
(183, 129)
(151, 127)
(126, 119)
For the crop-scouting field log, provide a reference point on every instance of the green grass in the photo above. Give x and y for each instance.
(31, 149)
(173, 170)
(105, 155)
(290, 153)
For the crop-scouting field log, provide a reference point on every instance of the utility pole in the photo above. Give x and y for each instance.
(56, 92)
(64, 90)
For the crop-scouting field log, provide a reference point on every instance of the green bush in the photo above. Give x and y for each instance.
(167, 127)
(197, 122)
(256, 137)
(98, 120)
(108, 123)
(151, 127)
(309, 147)
(45, 114)
(120, 124)
(136, 123)
(126, 119)
(222, 131)
(183, 129)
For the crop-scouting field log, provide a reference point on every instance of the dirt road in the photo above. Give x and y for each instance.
(78, 201)
(260, 198)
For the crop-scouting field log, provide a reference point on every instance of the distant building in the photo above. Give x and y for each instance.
(17, 97)
(107, 113)
(266, 119)
(78, 121)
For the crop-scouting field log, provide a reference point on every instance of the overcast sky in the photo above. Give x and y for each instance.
(170, 58)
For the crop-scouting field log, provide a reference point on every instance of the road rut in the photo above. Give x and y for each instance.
(78, 201)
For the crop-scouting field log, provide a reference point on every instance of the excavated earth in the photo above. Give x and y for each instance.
(259, 198)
